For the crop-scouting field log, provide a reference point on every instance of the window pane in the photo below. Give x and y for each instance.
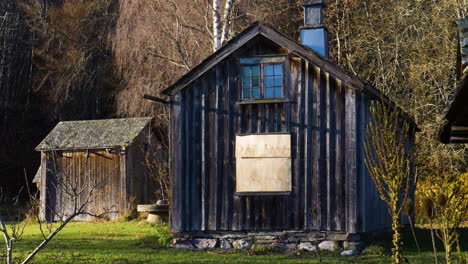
(268, 69)
(278, 92)
(246, 70)
(255, 81)
(246, 82)
(256, 70)
(247, 93)
(278, 69)
(268, 81)
(255, 92)
(278, 81)
(269, 93)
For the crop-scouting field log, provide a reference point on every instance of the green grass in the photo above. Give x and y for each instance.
(137, 242)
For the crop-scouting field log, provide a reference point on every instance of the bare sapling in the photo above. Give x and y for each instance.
(76, 192)
(389, 161)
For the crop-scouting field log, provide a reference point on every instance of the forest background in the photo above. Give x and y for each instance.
(92, 59)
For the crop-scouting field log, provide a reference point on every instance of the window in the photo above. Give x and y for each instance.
(262, 78)
(251, 81)
(263, 164)
(273, 76)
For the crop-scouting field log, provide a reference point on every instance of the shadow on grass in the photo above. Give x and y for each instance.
(131, 243)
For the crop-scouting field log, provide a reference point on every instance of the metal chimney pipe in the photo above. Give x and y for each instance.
(314, 34)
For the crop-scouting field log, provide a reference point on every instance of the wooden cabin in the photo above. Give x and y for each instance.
(267, 135)
(455, 127)
(106, 155)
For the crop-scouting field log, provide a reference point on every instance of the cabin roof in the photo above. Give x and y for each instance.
(93, 134)
(267, 31)
(455, 127)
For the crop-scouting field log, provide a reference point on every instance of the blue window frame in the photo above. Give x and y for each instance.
(251, 81)
(273, 76)
(262, 80)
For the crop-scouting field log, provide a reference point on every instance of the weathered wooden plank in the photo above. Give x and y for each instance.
(196, 160)
(213, 134)
(295, 135)
(229, 154)
(204, 155)
(340, 161)
(176, 163)
(322, 163)
(316, 212)
(350, 149)
(219, 139)
(237, 124)
(309, 77)
(188, 96)
(361, 120)
(331, 149)
(301, 176)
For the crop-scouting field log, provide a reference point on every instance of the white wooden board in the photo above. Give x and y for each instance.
(263, 163)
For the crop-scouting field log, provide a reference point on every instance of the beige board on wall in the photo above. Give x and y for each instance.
(263, 163)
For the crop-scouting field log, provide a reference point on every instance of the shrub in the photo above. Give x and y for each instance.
(163, 234)
(375, 250)
(261, 250)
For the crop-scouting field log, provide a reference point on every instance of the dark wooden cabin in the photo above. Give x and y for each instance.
(455, 127)
(108, 154)
(267, 135)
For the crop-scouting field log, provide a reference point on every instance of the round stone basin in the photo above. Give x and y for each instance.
(157, 213)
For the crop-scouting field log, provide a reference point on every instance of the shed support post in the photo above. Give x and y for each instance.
(123, 182)
(47, 189)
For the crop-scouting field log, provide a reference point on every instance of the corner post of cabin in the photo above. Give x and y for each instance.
(176, 164)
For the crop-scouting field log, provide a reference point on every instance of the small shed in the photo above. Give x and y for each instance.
(106, 155)
(267, 140)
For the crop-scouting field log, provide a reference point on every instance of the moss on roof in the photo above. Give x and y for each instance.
(93, 134)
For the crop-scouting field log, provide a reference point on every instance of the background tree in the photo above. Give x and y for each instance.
(407, 49)
(389, 161)
(15, 101)
(73, 65)
(448, 193)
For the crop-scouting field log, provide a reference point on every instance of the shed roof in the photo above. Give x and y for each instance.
(262, 29)
(455, 127)
(93, 134)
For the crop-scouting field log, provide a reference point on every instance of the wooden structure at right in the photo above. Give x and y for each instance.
(455, 126)
(268, 135)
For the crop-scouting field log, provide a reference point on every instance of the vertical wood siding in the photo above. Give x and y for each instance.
(324, 116)
(78, 172)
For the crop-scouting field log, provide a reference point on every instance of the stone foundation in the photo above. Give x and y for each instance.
(286, 240)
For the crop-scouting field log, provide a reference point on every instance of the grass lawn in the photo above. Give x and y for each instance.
(135, 242)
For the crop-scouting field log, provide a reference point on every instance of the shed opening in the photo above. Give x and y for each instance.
(263, 164)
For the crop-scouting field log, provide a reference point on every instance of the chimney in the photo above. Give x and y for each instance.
(314, 34)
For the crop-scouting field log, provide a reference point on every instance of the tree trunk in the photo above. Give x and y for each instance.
(226, 21)
(433, 242)
(396, 250)
(216, 26)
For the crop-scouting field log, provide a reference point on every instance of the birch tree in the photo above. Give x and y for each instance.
(221, 23)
